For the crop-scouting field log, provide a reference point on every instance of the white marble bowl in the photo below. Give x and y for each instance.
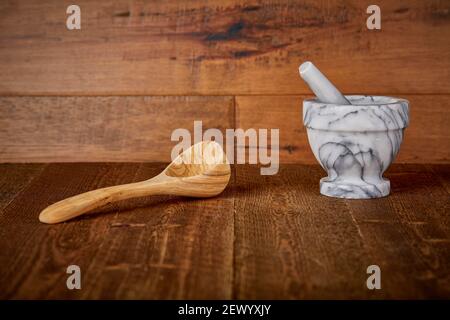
(356, 143)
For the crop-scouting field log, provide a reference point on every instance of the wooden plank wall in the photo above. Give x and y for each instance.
(115, 90)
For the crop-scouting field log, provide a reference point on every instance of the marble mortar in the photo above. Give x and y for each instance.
(356, 143)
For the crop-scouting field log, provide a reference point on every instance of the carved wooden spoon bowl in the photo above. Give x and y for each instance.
(201, 171)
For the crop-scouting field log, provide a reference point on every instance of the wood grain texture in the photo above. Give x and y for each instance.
(419, 228)
(69, 129)
(155, 248)
(89, 129)
(215, 47)
(292, 243)
(265, 237)
(443, 175)
(427, 139)
(13, 178)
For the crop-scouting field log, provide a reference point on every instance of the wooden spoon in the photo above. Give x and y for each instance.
(200, 171)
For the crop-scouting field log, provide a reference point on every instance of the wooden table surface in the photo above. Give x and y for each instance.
(265, 237)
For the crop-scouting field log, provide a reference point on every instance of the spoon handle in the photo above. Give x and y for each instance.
(80, 204)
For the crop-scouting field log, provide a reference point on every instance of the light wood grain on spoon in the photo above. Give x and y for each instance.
(201, 171)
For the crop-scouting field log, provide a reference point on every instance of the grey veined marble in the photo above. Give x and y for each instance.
(356, 143)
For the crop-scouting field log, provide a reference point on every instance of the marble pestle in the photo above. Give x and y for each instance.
(324, 90)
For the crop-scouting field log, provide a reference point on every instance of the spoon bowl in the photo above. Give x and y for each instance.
(200, 171)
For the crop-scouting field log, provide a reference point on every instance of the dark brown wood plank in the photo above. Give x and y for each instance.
(408, 233)
(158, 247)
(442, 173)
(266, 237)
(89, 129)
(427, 139)
(237, 47)
(14, 178)
(292, 243)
